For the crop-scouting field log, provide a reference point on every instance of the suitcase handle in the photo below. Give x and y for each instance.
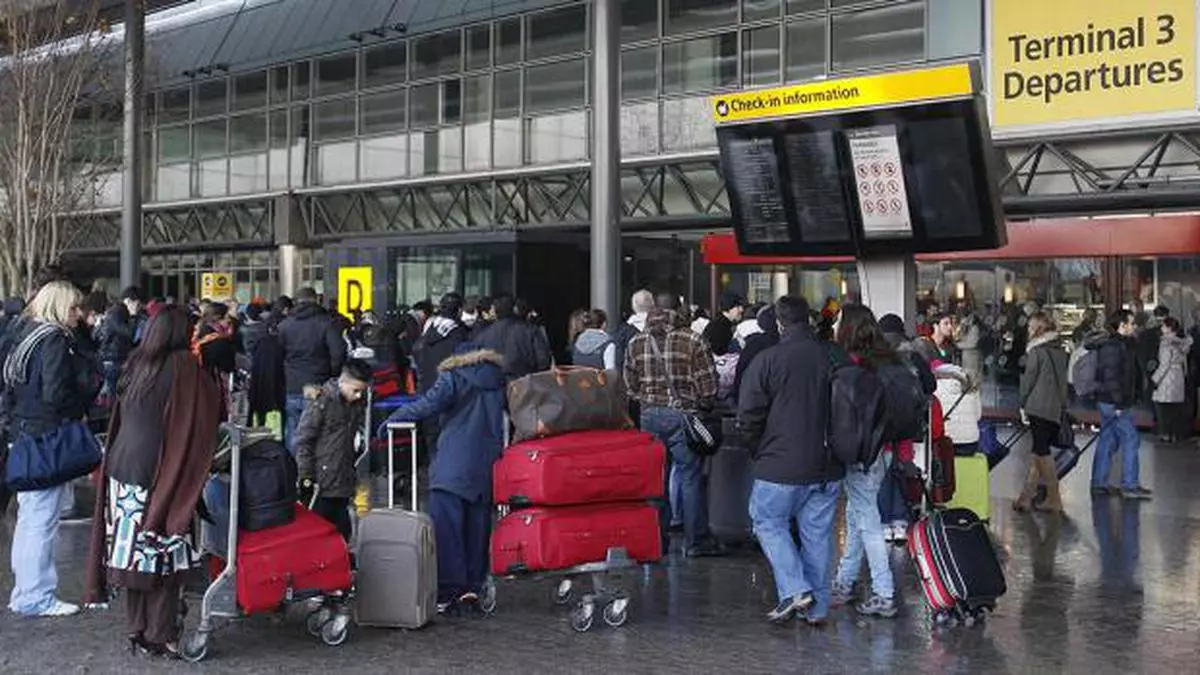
(392, 428)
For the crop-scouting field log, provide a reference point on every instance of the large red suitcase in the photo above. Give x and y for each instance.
(587, 467)
(556, 538)
(306, 556)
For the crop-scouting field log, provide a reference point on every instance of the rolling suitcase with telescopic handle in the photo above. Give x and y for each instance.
(397, 558)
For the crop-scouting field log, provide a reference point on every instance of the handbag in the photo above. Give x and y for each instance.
(1066, 423)
(51, 459)
(702, 429)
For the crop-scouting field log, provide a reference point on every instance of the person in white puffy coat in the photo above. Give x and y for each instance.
(961, 403)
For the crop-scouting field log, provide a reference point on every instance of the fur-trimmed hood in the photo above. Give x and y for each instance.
(1050, 337)
(473, 357)
(483, 368)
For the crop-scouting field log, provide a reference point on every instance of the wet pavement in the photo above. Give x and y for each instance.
(1114, 587)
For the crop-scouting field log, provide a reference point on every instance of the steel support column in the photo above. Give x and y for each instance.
(131, 206)
(606, 160)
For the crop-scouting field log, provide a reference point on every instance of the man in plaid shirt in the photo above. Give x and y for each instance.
(671, 382)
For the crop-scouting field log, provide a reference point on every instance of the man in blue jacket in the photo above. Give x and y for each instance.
(1117, 377)
(469, 398)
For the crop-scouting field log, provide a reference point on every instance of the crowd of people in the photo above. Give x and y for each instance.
(69, 358)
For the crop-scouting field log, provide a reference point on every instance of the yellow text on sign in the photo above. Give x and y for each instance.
(829, 96)
(355, 290)
(216, 286)
(1071, 60)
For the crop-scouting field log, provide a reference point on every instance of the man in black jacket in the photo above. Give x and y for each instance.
(313, 353)
(523, 344)
(783, 410)
(1116, 380)
(719, 332)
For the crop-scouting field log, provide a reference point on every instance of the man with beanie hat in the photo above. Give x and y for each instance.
(719, 332)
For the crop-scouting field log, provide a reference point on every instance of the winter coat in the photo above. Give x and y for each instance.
(1170, 378)
(440, 340)
(1045, 378)
(216, 348)
(313, 349)
(968, 345)
(594, 349)
(625, 333)
(324, 443)
(267, 390)
(114, 336)
(719, 334)
(469, 398)
(756, 344)
(523, 345)
(250, 334)
(962, 423)
(60, 383)
(1116, 369)
(784, 408)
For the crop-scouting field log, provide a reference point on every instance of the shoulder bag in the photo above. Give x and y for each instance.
(702, 428)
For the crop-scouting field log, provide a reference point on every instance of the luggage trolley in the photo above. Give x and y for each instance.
(329, 620)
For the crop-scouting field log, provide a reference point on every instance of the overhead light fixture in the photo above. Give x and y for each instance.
(1008, 294)
(960, 289)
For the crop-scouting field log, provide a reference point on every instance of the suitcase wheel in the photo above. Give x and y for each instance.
(487, 604)
(563, 592)
(616, 613)
(582, 617)
(194, 647)
(316, 621)
(336, 630)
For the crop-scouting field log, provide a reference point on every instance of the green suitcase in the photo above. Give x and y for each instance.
(973, 489)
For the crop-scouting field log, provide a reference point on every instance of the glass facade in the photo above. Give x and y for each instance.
(507, 93)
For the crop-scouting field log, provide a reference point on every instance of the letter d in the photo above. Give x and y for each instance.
(1013, 81)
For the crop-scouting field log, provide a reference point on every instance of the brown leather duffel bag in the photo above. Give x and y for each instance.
(562, 400)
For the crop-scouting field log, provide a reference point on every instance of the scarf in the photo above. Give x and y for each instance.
(16, 366)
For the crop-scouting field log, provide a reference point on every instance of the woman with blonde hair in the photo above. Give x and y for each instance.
(1044, 398)
(49, 386)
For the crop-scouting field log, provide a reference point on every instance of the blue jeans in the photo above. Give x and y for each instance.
(293, 409)
(461, 530)
(667, 425)
(1117, 430)
(864, 531)
(892, 505)
(35, 577)
(773, 507)
(675, 493)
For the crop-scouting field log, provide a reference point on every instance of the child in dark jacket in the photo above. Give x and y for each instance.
(325, 444)
(469, 398)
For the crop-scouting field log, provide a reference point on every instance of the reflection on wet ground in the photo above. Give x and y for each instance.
(1113, 587)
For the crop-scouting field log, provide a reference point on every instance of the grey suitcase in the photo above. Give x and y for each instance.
(397, 558)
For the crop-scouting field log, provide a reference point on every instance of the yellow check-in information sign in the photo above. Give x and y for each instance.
(355, 290)
(216, 286)
(832, 96)
(1068, 61)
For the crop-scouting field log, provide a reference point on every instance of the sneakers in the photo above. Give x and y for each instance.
(1138, 493)
(59, 609)
(842, 594)
(889, 533)
(709, 549)
(879, 606)
(788, 607)
(1104, 490)
(899, 531)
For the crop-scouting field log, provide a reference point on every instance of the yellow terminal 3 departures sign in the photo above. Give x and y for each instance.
(1075, 60)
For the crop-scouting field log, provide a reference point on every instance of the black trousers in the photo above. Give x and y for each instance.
(337, 511)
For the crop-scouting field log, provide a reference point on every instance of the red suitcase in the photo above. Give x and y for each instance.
(556, 538)
(586, 467)
(306, 556)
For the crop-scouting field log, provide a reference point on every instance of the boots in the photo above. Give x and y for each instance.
(1049, 475)
(1025, 501)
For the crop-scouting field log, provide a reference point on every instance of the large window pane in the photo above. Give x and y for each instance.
(210, 139)
(426, 103)
(639, 73)
(639, 19)
(301, 78)
(754, 10)
(555, 86)
(211, 97)
(477, 146)
(639, 129)
(174, 105)
(248, 174)
(279, 129)
(760, 56)
(688, 124)
(558, 138)
(336, 163)
(561, 31)
(247, 133)
(805, 49)
(213, 177)
(174, 144)
(479, 47)
(452, 101)
(477, 99)
(701, 64)
(335, 75)
(797, 6)
(436, 55)
(174, 182)
(508, 49)
(335, 119)
(383, 112)
(508, 93)
(384, 157)
(506, 143)
(879, 36)
(688, 15)
(280, 83)
(250, 91)
(387, 64)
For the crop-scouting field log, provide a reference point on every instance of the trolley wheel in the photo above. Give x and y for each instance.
(616, 613)
(316, 621)
(194, 648)
(487, 604)
(335, 631)
(563, 592)
(582, 617)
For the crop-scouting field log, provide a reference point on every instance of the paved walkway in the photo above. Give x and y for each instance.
(1112, 588)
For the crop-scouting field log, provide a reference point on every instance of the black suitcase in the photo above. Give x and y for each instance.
(729, 484)
(1065, 460)
(967, 560)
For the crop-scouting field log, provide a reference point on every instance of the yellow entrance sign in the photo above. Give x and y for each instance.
(1073, 60)
(355, 290)
(829, 96)
(216, 286)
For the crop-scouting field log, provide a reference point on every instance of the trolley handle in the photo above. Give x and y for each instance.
(392, 428)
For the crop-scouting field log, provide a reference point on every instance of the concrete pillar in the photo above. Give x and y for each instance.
(889, 286)
(606, 159)
(131, 205)
(289, 270)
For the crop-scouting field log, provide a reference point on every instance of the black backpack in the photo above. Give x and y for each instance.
(906, 404)
(857, 415)
(267, 487)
